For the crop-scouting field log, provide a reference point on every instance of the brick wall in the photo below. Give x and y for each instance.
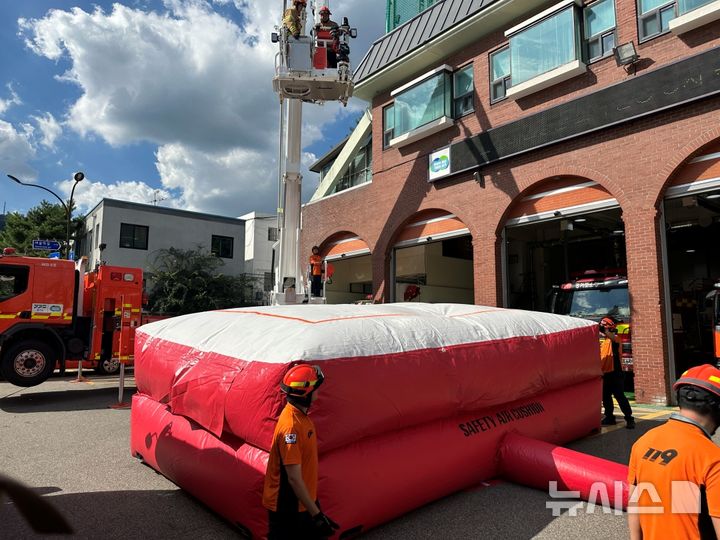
(633, 162)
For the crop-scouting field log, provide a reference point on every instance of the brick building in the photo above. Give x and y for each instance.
(518, 143)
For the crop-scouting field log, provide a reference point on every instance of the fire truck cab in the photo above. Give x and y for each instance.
(53, 314)
(594, 295)
(714, 297)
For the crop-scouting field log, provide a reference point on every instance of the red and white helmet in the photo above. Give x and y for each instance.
(302, 380)
(325, 9)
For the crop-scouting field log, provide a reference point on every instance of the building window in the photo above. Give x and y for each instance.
(655, 17)
(422, 103)
(359, 169)
(463, 91)
(499, 74)
(97, 235)
(684, 6)
(326, 169)
(599, 28)
(222, 246)
(133, 236)
(272, 234)
(544, 46)
(388, 125)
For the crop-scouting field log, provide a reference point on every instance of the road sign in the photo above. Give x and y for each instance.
(48, 245)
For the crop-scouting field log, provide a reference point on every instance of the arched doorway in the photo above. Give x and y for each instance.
(432, 260)
(351, 261)
(561, 230)
(691, 258)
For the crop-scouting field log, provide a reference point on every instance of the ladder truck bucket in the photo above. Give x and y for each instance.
(296, 76)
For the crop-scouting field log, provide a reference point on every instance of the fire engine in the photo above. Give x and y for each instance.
(53, 314)
(593, 295)
(714, 296)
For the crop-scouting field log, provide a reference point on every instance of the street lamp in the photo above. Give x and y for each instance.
(77, 177)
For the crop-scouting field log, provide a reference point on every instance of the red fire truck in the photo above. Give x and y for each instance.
(53, 313)
(593, 295)
(715, 297)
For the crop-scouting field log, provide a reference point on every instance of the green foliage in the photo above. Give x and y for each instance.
(188, 281)
(45, 221)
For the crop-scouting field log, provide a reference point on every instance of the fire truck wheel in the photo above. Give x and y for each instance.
(110, 366)
(28, 363)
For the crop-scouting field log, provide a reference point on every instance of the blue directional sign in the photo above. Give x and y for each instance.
(49, 245)
(54, 255)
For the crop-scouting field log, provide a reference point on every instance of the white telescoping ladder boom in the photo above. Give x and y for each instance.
(301, 76)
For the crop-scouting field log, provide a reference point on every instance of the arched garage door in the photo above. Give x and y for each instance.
(352, 278)
(691, 213)
(561, 231)
(433, 257)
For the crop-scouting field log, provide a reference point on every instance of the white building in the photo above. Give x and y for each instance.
(133, 233)
(260, 235)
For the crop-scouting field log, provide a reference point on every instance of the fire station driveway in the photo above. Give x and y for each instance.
(65, 441)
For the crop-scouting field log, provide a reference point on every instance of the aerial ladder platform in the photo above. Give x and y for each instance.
(302, 75)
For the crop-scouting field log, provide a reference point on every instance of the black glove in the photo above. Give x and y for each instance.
(324, 526)
(297, 36)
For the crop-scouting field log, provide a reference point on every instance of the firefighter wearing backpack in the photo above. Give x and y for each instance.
(613, 376)
(674, 470)
(290, 490)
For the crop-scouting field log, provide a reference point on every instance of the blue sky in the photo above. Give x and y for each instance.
(166, 98)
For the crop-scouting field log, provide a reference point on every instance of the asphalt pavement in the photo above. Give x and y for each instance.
(65, 441)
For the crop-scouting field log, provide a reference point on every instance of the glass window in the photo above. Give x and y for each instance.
(599, 30)
(13, 280)
(594, 303)
(688, 5)
(543, 47)
(388, 125)
(423, 103)
(272, 234)
(499, 74)
(133, 236)
(97, 235)
(222, 246)
(655, 17)
(359, 169)
(650, 5)
(463, 91)
(326, 169)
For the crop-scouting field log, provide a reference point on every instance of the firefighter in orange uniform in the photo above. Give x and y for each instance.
(316, 272)
(614, 379)
(674, 471)
(290, 490)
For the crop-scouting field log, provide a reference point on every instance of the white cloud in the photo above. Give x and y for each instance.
(14, 99)
(88, 193)
(192, 82)
(219, 180)
(50, 129)
(16, 150)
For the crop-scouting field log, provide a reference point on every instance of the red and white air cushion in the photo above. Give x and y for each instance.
(412, 393)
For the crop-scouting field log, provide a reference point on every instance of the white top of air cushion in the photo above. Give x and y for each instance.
(282, 334)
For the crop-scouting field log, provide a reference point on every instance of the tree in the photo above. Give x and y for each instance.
(45, 221)
(188, 281)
